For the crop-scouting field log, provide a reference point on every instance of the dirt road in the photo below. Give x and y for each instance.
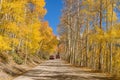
(59, 70)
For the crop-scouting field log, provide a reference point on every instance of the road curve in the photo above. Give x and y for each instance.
(59, 70)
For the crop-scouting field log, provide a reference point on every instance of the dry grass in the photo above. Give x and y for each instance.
(10, 70)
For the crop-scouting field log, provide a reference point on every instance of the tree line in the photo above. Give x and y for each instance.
(89, 34)
(23, 30)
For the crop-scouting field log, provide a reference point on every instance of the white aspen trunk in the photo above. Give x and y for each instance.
(111, 45)
(26, 54)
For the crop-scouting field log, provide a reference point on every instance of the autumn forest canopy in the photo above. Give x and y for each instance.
(23, 32)
(88, 33)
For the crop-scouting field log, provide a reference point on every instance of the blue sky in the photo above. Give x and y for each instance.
(54, 11)
(54, 8)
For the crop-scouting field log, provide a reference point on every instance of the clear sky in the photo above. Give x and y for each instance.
(54, 8)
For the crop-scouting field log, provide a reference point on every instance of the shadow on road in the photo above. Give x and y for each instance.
(58, 70)
(59, 76)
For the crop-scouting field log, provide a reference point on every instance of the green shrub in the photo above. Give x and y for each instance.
(17, 59)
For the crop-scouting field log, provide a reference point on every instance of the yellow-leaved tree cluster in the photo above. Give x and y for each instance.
(23, 30)
(90, 34)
